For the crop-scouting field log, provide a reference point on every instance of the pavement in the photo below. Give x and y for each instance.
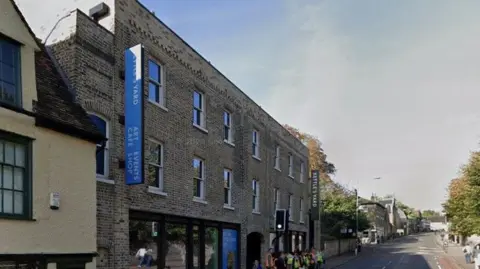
(419, 251)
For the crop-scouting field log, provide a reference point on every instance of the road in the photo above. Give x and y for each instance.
(410, 252)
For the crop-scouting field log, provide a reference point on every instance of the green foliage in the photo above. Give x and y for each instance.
(410, 212)
(430, 213)
(339, 211)
(339, 204)
(463, 203)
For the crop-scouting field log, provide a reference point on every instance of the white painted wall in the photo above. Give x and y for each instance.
(43, 15)
(436, 226)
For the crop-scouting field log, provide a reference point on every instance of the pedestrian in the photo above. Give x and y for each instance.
(296, 261)
(257, 265)
(280, 261)
(290, 260)
(467, 250)
(477, 261)
(142, 256)
(269, 260)
(321, 259)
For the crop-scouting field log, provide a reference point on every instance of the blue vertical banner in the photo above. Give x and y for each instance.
(134, 127)
(230, 253)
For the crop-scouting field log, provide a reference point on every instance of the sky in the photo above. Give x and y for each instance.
(389, 87)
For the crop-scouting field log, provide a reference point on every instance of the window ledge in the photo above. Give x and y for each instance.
(278, 169)
(156, 190)
(228, 143)
(16, 218)
(158, 105)
(229, 207)
(290, 220)
(200, 128)
(302, 222)
(291, 176)
(256, 158)
(256, 212)
(105, 180)
(199, 200)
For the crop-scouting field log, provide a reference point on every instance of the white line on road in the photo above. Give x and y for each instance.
(390, 262)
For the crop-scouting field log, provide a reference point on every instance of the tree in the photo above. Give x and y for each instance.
(460, 207)
(410, 212)
(471, 171)
(339, 203)
(339, 212)
(430, 213)
(317, 158)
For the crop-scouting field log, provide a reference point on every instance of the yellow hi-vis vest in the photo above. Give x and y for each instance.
(319, 257)
(306, 260)
(289, 259)
(296, 263)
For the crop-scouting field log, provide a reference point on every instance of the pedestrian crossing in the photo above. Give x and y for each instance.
(428, 251)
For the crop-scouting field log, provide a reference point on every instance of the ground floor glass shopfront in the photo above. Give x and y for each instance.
(183, 243)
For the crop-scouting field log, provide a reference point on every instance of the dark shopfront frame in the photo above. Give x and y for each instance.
(287, 240)
(161, 240)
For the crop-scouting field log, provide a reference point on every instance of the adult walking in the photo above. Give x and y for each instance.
(468, 251)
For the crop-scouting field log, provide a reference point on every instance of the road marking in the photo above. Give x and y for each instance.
(390, 262)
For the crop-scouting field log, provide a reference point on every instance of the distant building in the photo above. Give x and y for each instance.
(425, 225)
(393, 213)
(378, 217)
(438, 223)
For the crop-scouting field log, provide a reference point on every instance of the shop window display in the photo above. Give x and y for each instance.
(143, 248)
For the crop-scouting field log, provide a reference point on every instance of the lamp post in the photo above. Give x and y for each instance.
(356, 212)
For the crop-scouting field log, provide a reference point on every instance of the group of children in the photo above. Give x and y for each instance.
(294, 260)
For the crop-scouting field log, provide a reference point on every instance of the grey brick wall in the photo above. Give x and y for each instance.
(93, 58)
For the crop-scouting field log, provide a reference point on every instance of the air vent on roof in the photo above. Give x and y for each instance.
(99, 11)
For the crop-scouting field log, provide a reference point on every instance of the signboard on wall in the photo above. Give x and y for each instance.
(230, 253)
(134, 127)
(315, 197)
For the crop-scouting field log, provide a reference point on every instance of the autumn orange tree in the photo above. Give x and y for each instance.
(463, 204)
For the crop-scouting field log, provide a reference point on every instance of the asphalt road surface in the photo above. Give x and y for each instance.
(410, 252)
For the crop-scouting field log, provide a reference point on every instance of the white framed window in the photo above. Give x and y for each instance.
(156, 89)
(227, 127)
(277, 158)
(255, 144)
(255, 196)
(227, 187)
(302, 172)
(276, 200)
(198, 109)
(290, 165)
(102, 156)
(301, 211)
(198, 178)
(155, 165)
(290, 207)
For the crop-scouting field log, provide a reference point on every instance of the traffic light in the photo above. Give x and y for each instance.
(154, 229)
(280, 220)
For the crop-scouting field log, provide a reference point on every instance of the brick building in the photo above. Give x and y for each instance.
(216, 164)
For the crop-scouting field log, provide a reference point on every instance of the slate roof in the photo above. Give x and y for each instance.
(55, 107)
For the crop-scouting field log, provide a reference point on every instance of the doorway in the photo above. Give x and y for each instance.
(254, 248)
